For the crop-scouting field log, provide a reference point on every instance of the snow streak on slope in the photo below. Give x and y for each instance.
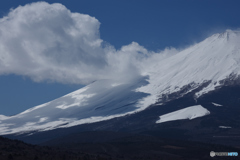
(225, 127)
(212, 60)
(186, 113)
(215, 104)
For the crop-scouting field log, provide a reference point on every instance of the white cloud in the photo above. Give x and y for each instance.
(48, 42)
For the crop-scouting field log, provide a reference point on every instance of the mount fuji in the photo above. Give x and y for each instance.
(199, 84)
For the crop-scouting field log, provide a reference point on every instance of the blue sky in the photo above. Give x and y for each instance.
(153, 24)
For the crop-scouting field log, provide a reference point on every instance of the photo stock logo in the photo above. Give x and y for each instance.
(213, 154)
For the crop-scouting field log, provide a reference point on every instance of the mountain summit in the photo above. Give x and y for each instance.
(209, 64)
(199, 69)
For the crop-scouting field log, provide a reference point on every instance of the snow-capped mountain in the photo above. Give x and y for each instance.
(202, 68)
(208, 63)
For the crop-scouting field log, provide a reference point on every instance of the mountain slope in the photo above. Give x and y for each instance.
(98, 101)
(213, 63)
(206, 64)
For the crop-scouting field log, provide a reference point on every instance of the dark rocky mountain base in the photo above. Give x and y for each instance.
(18, 150)
(125, 147)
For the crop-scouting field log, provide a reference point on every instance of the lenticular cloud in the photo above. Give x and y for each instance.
(48, 42)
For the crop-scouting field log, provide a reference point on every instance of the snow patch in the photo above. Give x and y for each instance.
(80, 100)
(116, 84)
(215, 104)
(41, 120)
(224, 127)
(186, 113)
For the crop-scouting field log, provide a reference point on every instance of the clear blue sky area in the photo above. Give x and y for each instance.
(154, 24)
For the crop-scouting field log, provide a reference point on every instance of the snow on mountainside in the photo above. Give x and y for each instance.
(98, 101)
(210, 61)
(207, 63)
(186, 113)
